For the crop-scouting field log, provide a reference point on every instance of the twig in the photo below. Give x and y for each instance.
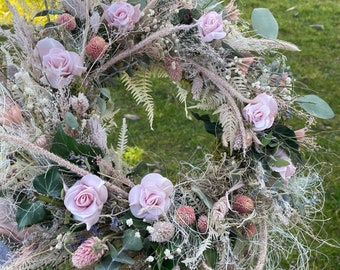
(139, 46)
(60, 161)
(263, 245)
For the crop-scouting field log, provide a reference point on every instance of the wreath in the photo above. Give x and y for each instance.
(71, 199)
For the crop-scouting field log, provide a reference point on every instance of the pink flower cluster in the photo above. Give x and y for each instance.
(86, 198)
(151, 198)
(59, 65)
(121, 15)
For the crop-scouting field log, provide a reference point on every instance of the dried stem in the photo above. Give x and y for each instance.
(218, 81)
(263, 245)
(145, 42)
(60, 161)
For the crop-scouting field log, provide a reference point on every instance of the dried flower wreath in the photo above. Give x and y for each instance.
(67, 198)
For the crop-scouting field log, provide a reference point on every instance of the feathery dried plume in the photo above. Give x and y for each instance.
(97, 132)
(88, 252)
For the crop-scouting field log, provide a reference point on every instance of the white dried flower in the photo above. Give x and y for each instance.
(129, 222)
(137, 234)
(150, 259)
(163, 231)
(79, 104)
(150, 229)
(168, 254)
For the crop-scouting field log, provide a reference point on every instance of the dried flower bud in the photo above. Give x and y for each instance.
(249, 230)
(67, 21)
(243, 204)
(174, 68)
(220, 208)
(162, 231)
(202, 224)
(11, 114)
(88, 252)
(300, 134)
(79, 104)
(185, 215)
(96, 47)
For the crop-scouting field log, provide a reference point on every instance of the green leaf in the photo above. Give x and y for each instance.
(107, 263)
(48, 11)
(211, 256)
(315, 106)
(131, 242)
(267, 139)
(214, 128)
(120, 256)
(102, 105)
(280, 162)
(30, 213)
(49, 183)
(264, 23)
(105, 92)
(71, 120)
(63, 145)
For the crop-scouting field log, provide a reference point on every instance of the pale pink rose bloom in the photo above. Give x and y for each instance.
(88, 252)
(86, 198)
(59, 64)
(121, 15)
(285, 171)
(262, 113)
(151, 198)
(210, 26)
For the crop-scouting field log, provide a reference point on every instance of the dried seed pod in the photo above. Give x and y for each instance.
(243, 204)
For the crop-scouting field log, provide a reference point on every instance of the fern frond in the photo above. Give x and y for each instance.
(229, 123)
(122, 143)
(210, 102)
(182, 95)
(140, 88)
(157, 72)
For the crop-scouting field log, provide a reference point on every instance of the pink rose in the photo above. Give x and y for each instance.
(59, 64)
(121, 15)
(285, 171)
(210, 26)
(150, 199)
(262, 113)
(88, 252)
(85, 199)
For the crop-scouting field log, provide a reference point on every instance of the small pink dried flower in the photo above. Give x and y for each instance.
(174, 68)
(185, 215)
(300, 134)
(162, 231)
(67, 21)
(88, 252)
(96, 47)
(202, 224)
(12, 113)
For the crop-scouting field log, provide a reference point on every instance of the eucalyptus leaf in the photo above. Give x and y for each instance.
(107, 263)
(264, 23)
(48, 12)
(315, 106)
(49, 183)
(102, 105)
(71, 120)
(105, 92)
(131, 242)
(120, 256)
(29, 213)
